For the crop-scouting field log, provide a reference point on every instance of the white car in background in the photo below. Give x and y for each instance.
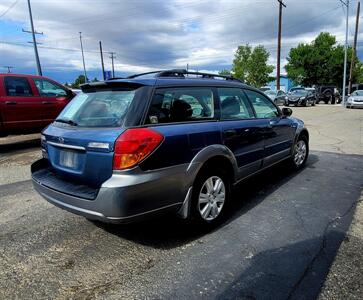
(355, 99)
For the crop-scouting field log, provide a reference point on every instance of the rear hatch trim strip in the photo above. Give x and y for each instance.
(66, 146)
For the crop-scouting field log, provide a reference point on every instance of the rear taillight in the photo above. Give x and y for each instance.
(133, 146)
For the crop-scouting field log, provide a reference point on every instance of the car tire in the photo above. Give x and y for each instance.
(300, 153)
(313, 103)
(211, 193)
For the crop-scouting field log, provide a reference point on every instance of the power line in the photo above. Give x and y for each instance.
(113, 67)
(9, 68)
(33, 32)
(9, 8)
(84, 64)
(281, 4)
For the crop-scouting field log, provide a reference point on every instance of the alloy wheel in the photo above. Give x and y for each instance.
(211, 198)
(300, 153)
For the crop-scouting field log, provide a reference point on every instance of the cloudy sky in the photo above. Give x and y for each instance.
(157, 34)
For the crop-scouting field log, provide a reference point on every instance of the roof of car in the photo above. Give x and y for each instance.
(167, 78)
(22, 75)
(167, 81)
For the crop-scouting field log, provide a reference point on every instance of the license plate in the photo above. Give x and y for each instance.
(68, 159)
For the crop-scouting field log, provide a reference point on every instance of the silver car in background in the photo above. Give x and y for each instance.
(279, 97)
(355, 99)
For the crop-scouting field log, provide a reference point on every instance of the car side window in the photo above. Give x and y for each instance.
(17, 86)
(234, 104)
(172, 105)
(264, 108)
(49, 89)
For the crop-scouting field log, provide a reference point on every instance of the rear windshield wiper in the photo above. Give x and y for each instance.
(67, 121)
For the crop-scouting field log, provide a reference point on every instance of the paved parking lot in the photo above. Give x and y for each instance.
(279, 239)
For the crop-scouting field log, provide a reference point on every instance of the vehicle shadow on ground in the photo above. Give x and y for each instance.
(293, 271)
(170, 232)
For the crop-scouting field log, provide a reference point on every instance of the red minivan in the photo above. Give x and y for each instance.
(29, 102)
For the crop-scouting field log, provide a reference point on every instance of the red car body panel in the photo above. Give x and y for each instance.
(34, 111)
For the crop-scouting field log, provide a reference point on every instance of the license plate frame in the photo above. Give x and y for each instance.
(68, 159)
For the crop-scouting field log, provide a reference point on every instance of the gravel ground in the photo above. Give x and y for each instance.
(279, 239)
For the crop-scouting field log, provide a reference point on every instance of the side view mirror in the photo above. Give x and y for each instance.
(286, 112)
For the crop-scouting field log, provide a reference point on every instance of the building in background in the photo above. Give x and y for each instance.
(285, 83)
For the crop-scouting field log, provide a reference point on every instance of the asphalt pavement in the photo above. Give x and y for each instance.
(279, 239)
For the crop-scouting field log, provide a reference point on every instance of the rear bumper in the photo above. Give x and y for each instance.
(125, 197)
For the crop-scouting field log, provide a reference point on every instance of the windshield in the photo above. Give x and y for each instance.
(299, 93)
(98, 109)
(358, 93)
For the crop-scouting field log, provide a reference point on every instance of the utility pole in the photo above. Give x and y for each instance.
(113, 67)
(281, 4)
(84, 65)
(354, 50)
(33, 32)
(345, 50)
(103, 66)
(9, 68)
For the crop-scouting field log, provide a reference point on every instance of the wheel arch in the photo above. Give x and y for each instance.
(304, 132)
(211, 156)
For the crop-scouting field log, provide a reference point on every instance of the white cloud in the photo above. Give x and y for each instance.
(158, 34)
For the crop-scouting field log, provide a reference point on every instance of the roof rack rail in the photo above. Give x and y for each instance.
(115, 78)
(182, 73)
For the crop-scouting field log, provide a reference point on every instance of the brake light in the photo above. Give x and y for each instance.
(133, 146)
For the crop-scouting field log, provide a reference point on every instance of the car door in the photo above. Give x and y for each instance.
(241, 132)
(53, 98)
(21, 107)
(279, 131)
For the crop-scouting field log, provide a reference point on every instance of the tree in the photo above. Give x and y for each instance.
(224, 72)
(79, 80)
(320, 62)
(250, 65)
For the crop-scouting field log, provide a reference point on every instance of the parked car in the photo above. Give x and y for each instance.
(301, 97)
(30, 102)
(355, 99)
(278, 97)
(313, 91)
(296, 88)
(163, 142)
(327, 94)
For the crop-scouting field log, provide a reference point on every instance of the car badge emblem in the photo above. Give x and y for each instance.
(61, 140)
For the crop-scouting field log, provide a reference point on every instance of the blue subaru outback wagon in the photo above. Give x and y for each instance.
(166, 141)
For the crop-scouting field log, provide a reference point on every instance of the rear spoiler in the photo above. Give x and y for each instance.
(111, 85)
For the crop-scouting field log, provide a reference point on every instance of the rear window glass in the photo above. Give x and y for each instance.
(98, 109)
(181, 105)
(17, 86)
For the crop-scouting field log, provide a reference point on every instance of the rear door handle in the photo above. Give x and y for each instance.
(46, 102)
(10, 102)
(230, 132)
